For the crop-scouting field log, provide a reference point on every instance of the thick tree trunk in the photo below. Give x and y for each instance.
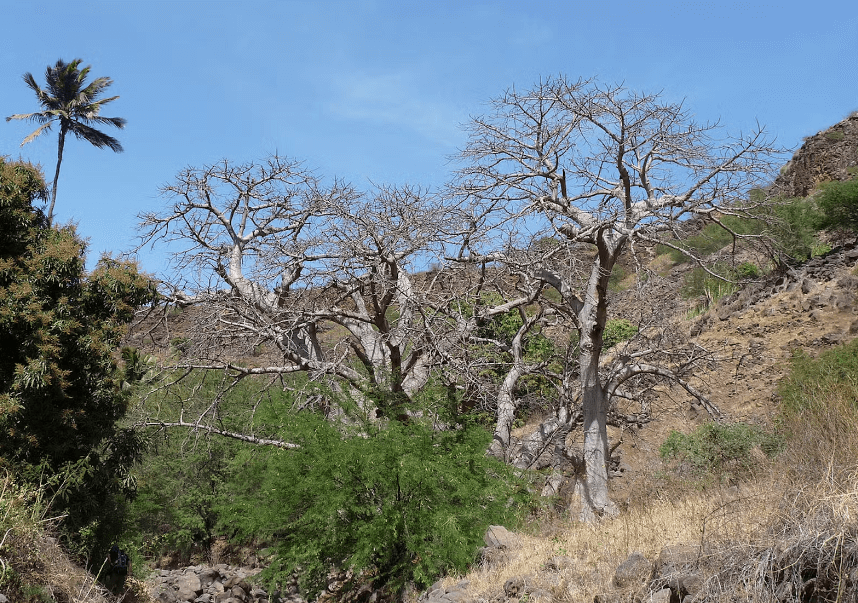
(592, 319)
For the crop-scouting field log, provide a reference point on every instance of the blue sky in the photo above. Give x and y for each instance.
(376, 91)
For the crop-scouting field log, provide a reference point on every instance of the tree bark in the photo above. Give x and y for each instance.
(60, 145)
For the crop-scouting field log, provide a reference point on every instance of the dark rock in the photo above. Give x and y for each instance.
(635, 569)
(559, 563)
(514, 587)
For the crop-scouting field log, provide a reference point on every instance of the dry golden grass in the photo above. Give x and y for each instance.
(789, 532)
(33, 567)
(713, 518)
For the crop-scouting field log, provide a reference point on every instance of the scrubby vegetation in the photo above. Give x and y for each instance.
(361, 448)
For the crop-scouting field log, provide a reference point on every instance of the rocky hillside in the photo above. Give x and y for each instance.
(829, 155)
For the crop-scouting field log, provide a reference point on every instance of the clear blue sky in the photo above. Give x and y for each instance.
(377, 90)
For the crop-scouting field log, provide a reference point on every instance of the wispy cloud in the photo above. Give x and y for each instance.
(400, 99)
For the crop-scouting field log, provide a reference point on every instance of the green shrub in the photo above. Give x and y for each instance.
(819, 415)
(794, 225)
(838, 202)
(718, 450)
(710, 239)
(747, 270)
(700, 283)
(813, 381)
(401, 502)
(617, 330)
(618, 275)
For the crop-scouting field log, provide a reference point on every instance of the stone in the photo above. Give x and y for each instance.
(634, 570)
(499, 537)
(559, 563)
(662, 596)
(514, 587)
(690, 583)
(207, 577)
(190, 582)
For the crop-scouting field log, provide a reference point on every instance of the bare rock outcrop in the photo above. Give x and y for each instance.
(828, 155)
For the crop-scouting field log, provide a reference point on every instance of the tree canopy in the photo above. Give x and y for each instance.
(60, 328)
(72, 103)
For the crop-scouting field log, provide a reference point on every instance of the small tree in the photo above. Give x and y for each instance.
(60, 387)
(74, 104)
(606, 169)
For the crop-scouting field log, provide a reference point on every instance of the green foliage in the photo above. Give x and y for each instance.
(536, 346)
(838, 202)
(795, 225)
(618, 275)
(699, 282)
(813, 381)
(617, 330)
(747, 270)
(402, 502)
(182, 477)
(819, 414)
(710, 239)
(60, 387)
(719, 450)
(179, 487)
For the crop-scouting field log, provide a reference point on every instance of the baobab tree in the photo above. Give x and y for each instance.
(605, 168)
(332, 279)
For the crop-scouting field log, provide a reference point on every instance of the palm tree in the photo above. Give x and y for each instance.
(67, 99)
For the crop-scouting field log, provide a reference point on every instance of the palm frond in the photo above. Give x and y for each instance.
(39, 131)
(116, 122)
(40, 117)
(95, 137)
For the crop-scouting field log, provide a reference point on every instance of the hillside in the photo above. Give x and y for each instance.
(696, 531)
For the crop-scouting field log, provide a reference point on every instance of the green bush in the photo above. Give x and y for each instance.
(710, 239)
(813, 381)
(747, 270)
(838, 202)
(795, 225)
(617, 330)
(401, 502)
(819, 415)
(699, 282)
(719, 450)
(61, 386)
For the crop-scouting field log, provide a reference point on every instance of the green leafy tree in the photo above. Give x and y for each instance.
(72, 103)
(61, 393)
(401, 502)
(838, 202)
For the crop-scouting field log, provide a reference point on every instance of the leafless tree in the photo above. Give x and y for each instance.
(605, 169)
(331, 278)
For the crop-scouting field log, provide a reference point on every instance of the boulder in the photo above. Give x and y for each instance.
(499, 537)
(633, 571)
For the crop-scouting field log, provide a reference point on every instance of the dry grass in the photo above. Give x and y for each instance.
(712, 518)
(788, 533)
(33, 567)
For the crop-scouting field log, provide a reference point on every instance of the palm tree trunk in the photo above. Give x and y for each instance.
(60, 146)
